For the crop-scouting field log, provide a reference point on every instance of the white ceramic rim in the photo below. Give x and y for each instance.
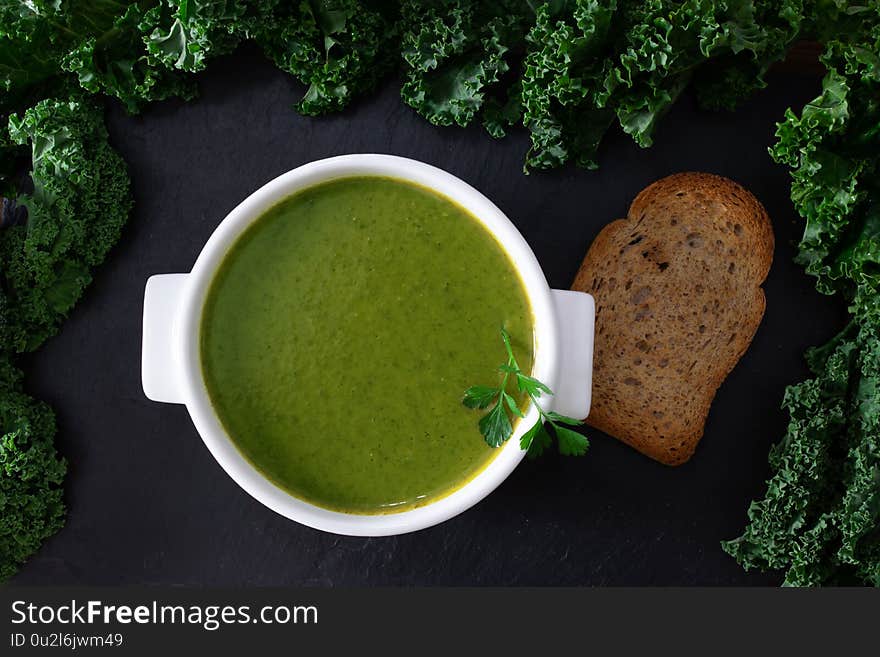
(196, 395)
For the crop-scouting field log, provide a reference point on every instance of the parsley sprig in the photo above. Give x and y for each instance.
(496, 425)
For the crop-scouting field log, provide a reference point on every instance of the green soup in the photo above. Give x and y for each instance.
(340, 332)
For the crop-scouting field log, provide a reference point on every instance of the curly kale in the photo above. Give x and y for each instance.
(567, 69)
(834, 144)
(339, 48)
(183, 34)
(79, 203)
(31, 474)
(759, 36)
(562, 74)
(820, 517)
(457, 52)
(98, 41)
(564, 69)
(118, 63)
(669, 42)
(75, 201)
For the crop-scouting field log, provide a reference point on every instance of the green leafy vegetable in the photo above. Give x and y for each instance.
(183, 34)
(562, 72)
(496, 426)
(79, 203)
(76, 200)
(456, 51)
(567, 69)
(564, 69)
(820, 517)
(99, 41)
(118, 63)
(31, 474)
(339, 48)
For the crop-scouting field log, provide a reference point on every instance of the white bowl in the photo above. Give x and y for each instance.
(171, 371)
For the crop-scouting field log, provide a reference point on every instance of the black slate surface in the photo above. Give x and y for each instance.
(147, 502)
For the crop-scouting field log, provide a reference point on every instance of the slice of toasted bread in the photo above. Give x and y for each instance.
(678, 300)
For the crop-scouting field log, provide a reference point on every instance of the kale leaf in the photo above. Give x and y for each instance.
(184, 34)
(820, 517)
(833, 146)
(563, 72)
(76, 199)
(118, 63)
(76, 209)
(31, 474)
(567, 69)
(456, 52)
(99, 41)
(339, 48)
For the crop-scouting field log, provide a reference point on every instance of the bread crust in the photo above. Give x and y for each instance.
(678, 297)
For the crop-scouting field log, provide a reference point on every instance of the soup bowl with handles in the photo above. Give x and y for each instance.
(171, 362)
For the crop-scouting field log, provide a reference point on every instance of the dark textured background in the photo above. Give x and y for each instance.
(148, 504)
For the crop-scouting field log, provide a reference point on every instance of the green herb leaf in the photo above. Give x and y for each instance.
(511, 404)
(539, 443)
(525, 442)
(479, 396)
(556, 417)
(495, 426)
(571, 443)
(531, 385)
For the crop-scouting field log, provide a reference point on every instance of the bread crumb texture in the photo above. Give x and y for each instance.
(678, 297)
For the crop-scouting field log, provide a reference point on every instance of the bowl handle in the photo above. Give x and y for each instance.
(576, 316)
(161, 375)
